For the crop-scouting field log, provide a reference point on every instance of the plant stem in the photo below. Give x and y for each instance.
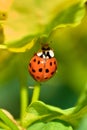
(36, 93)
(24, 99)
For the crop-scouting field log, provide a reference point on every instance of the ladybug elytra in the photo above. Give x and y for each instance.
(43, 64)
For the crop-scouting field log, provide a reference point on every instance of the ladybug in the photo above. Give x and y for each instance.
(43, 64)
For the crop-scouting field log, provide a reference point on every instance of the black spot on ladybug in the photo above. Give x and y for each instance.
(40, 70)
(30, 65)
(47, 70)
(46, 78)
(39, 62)
(34, 60)
(54, 62)
(38, 77)
(50, 63)
(33, 70)
(52, 73)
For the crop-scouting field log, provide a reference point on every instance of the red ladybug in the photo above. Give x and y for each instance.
(43, 64)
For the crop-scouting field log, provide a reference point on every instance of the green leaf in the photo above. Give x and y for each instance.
(22, 45)
(54, 125)
(4, 126)
(82, 102)
(31, 19)
(43, 112)
(8, 119)
(71, 15)
(38, 111)
(83, 124)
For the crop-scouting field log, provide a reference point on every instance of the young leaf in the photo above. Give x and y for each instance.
(54, 125)
(27, 20)
(8, 119)
(40, 111)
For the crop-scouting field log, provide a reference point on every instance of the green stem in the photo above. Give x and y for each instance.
(8, 120)
(24, 100)
(36, 93)
(23, 86)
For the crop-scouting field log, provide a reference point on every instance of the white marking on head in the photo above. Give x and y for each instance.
(47, 57)
(51, 53)
(39, 53)
(44, 56)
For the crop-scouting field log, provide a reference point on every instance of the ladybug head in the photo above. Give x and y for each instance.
(46, 52)
(45, 47)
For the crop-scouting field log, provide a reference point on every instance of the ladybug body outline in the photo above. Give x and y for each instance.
(43, 64)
